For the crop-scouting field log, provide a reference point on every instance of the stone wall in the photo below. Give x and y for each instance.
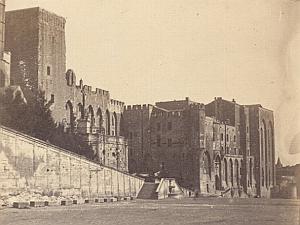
(36, 39)
(263, 148)
(27, 163)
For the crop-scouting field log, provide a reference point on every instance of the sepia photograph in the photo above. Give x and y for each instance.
(173, 112)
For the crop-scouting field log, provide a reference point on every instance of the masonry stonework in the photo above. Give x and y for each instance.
(36, 39)
(219, 148)
(211, 149)
(29, 164)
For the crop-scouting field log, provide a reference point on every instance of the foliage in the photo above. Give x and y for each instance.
(34, 118)
(75, 142)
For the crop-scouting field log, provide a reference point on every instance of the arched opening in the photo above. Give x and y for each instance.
(226, 171)
(262, 177)
(70, 116)
(237, 171)
(132, 166)
(80, 111)
(262, 152)
(206, 164)
(99, 120)
(91, 116)
(114, 124)
(272, 153)
(218, 172)
(250, 168)
(2, 79)
(231, 171)
(242, 169)
(148, 163)
(266, 152)
(122, 128)
(107, 122)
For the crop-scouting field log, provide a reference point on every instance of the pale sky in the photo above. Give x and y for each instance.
(144, 51)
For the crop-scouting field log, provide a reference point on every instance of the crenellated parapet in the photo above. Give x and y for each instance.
(117, 103)
(129, 108)
(197, 106)
(165, 113)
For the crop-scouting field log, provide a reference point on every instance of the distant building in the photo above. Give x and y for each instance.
(288, 181)
(209, 148)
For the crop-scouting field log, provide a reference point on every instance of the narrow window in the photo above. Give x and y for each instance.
(169, 142)
(158, 126)
(222, 137)
(48, 70)
(52, 98)
(158, 140)
(169, 125)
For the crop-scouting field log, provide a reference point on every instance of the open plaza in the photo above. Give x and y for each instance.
(212, 211)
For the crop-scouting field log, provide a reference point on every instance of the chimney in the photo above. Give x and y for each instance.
(80, 83)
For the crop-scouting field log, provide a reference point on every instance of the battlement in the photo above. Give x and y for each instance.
(116, 103)
(137, 107)
(89, 90)
(162, 113)
(198, 106)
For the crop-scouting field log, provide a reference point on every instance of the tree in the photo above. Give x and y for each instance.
(74, 143)
(34, 118)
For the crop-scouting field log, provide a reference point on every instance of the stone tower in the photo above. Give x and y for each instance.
(36, 40)
(4, 56)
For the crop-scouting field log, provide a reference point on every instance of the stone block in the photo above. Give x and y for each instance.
(51, 203)
(66, 202)
(21, 205)
(37, 204)
(120, 198)
(101, 200)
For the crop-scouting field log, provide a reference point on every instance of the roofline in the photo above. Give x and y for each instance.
(35, 8)
(259, 106)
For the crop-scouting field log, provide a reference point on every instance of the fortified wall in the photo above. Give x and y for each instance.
(27, 163)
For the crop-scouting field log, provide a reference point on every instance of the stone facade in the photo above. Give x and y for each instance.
(208, 148)
(36, 39)
(262, 147)
(213, 148)
(4, 55)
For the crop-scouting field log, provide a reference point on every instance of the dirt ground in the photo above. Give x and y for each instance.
(212, 211)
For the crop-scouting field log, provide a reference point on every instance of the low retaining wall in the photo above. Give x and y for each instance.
(28, 164)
